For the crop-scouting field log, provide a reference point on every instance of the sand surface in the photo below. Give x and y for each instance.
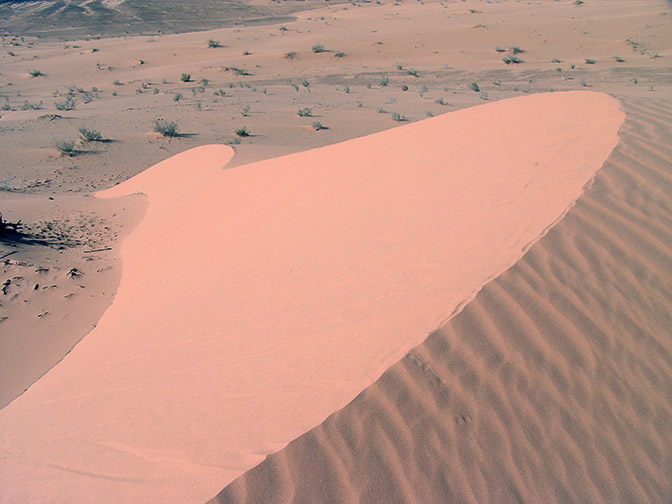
(256, 301)
(553, 385)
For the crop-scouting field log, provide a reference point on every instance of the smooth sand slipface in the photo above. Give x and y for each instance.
(256, 301)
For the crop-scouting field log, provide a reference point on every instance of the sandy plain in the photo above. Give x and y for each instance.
(546, 379)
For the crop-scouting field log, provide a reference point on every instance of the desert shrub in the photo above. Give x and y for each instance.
(305, 112)
(511, 58)
(305, 83)
(384, 80)
(239, 71)
(500, 49)
(185, 77)
(441, 101)
(317, 126)
(346, 89)
(214, 44)
(65, 148)
(516, 50)
(36, 73)
(556, 60)
(590, 61)
(90, 135)
(412, 72)
(31, 106)
(246, 111)
(339, 54)
(220, 92)
(396, 116)
(318, 48)
(474, 87)
(242, 132)
(165, 128)
(618, 59)
(177, 97)
(117, 83)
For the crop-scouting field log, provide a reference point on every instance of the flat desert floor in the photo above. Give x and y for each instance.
(339, 252)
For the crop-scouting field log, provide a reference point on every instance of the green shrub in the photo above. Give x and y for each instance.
(65, 148)
(318, 48)
(396, 116)
(214, 44)
(317, 126)
(511, 58)
(242, 132)
(590, 61)
(90, 135)
(474, 87)
(185, 77)
(36, 73)
(305, 112)
(165, 128)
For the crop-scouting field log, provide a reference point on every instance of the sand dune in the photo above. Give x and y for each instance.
(553, 385)
(256, 301)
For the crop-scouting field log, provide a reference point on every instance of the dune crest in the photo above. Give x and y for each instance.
(256, 301)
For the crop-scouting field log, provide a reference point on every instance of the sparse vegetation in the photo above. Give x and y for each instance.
(318, 48)
(305, 112)
(590, 61)
(339, 54)
(317, 126)
(246, 111)
(500, 49)
(214, 44)
(242, 132)
(404, 87)
(117, 83)
(556, 60)
(384, 81)
(239, 71)
(618, 59)
(474, 87)
(290, 55)
(66, 148)
(185, 77)
(412, 72)
(396, 116)
(177, 97)
(90, 135)
(305, 83)
(165, 128)
(516, 50)
(511, 58)
(36, 73)
(346, 89)
(31, 106)
(441, 101)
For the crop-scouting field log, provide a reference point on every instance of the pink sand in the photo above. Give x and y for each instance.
(256, 301)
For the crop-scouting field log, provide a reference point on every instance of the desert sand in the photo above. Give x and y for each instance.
(425, 275)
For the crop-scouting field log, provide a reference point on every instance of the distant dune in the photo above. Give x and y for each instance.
(256, 301)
